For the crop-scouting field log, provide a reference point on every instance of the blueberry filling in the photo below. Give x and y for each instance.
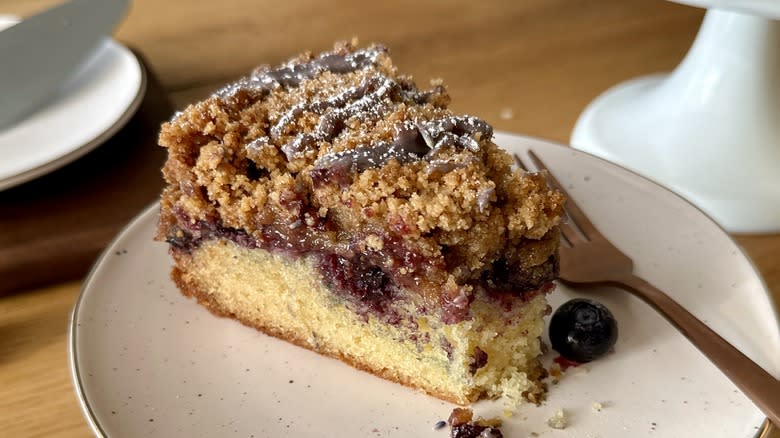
(462, 426)
(506, 277)
(368, 280)
(480, 360)
(365, 287)
(471, 430)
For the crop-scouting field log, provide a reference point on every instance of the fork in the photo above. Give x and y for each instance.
(587, 258)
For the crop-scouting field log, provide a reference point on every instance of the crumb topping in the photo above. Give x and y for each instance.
(462, 426)
(558, 420)
(339, 149)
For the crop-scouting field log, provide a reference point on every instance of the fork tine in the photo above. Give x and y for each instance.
(519, 162)
(567, 243)
(570, 234)
(575, 213)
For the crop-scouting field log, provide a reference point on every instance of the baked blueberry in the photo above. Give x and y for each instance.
(583, 330)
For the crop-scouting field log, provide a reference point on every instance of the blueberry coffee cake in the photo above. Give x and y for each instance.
(332, 203)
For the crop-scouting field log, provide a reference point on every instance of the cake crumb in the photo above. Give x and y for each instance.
(597, 406)
(558, 420)
(462, 426)
(491, 422)
(555, 371)
(507, 113)
(374, 242)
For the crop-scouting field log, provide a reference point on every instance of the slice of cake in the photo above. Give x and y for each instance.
(331, 203)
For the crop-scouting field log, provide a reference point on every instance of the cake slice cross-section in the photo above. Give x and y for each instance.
(332, 203)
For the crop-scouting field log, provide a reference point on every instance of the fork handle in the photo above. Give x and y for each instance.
(761, 387)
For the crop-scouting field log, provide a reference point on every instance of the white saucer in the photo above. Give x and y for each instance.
(146, 361)
(93, 105)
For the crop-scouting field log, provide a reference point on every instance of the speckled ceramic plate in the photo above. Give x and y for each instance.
(148, 362)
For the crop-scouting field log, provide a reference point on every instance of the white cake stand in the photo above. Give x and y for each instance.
(710, 130)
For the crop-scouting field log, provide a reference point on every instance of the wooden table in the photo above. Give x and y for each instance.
(541, 60)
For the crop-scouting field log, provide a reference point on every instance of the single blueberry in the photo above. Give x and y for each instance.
(582, 330)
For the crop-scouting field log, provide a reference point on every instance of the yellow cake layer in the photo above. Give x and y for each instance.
(285, 297)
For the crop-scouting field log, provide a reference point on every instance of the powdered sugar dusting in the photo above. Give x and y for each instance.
(408, 146)
(264, 78)
(368, 101)
(413, 142)
(255, 147)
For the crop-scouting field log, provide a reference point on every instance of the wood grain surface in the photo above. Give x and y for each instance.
(541, 60)
(52, 228)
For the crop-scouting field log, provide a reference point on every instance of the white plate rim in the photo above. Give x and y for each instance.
(91, 144)
(761, 429)
(87, 147)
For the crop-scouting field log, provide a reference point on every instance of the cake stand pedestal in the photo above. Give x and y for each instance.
(710, 130)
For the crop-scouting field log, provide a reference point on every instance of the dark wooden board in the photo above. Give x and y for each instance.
(53, 228)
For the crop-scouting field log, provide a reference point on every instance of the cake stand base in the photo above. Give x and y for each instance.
(710, 130)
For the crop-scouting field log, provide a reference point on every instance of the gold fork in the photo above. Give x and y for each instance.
(589, 259)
